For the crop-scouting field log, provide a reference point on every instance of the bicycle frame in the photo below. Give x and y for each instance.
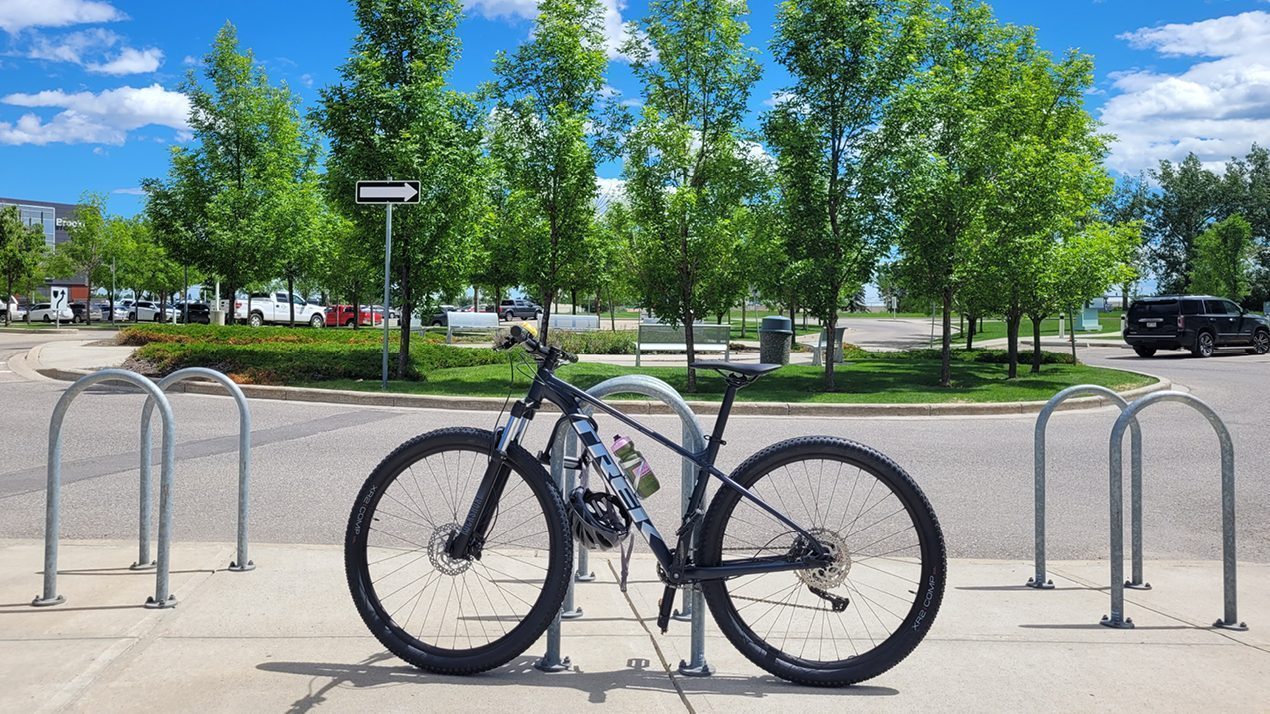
(546, 386)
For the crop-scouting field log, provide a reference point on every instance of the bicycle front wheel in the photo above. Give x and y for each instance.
(848, 621)
(445, 615)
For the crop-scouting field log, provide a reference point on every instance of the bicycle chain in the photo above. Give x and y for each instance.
(839, 604)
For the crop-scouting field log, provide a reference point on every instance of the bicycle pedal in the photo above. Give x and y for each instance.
(664, 606)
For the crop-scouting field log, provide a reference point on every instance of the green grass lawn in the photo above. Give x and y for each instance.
(873, 381)
(993, 329)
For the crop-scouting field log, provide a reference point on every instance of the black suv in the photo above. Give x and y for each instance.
(1199, 323)
(519, 310)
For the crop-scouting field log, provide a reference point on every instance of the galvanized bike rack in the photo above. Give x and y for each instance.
(1040, 580)
(566, 446)
(242, 563)
(53, 511)
(1230, 619)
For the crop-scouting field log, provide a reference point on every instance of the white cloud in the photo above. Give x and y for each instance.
(129, 61)
(94, 118)
(609, 191)
(16, 15)
(132, 191)
(1215, 108)
(87, 48)
(190, 61)
(614, 29)
(306, 79)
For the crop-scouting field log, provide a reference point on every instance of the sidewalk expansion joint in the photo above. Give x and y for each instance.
(661, 656)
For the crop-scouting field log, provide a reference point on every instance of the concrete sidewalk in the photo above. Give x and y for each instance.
(286, 637)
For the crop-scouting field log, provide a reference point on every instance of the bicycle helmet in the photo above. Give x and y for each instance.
(598, 519)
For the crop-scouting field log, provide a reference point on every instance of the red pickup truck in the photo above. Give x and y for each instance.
(342, 316)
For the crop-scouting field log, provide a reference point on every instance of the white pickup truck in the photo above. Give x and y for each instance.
(276, 308)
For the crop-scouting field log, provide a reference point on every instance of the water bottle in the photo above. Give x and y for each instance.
(635, 466)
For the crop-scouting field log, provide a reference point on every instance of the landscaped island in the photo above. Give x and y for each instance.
(350, 359)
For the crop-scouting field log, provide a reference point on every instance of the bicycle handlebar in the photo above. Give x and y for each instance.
(521, 336)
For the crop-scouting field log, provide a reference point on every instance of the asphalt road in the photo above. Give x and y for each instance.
(310, 459)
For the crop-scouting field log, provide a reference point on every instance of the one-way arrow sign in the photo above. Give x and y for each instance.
(387, 191)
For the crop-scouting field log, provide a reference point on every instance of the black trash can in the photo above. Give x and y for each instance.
(773, 339)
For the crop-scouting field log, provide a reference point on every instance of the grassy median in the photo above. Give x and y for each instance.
(350, 359)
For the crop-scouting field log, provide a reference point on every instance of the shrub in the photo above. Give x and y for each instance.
(595, 342)
(284, 356)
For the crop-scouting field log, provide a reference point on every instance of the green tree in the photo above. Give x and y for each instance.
(1130, 203)
(1223, 259)
(22, 251)
(393, 116)
(848, 59)
(1047, 182)
(947, 145)
(86, 250)
(688, 165)
(547, 143)
(214, 208)
(1185, 205)
(346, 268)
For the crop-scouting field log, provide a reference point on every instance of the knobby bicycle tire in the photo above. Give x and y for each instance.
(556, 543)
(927, 590)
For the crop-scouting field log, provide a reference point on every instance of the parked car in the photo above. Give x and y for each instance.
(19, 312)
(84, 312)
(439, 317)
(1199, 323)
(148, 311)
(519, 309)
(342, 316)
(194, 312)
(276, 308)
(45, 312)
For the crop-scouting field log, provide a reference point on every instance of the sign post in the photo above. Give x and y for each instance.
(387, 192)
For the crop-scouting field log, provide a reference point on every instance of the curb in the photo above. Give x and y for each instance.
(429, 401)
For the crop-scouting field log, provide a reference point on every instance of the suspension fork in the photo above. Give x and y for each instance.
(466, 544)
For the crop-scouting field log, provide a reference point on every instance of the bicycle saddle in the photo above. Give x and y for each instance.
(745, 369)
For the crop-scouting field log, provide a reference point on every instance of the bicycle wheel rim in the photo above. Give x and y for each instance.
(793, 624)
(404, 594)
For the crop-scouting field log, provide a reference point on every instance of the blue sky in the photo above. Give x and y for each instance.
(88, 101)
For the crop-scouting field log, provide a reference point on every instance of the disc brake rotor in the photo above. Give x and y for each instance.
(834, 574)
(437, 554)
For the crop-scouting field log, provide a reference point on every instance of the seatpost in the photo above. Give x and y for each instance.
(720, 422)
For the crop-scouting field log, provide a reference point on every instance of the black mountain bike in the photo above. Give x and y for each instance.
(459, 550)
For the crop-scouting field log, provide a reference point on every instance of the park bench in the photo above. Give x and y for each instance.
(669, 338)
(818, 355)
(469, 322)
(580, 323)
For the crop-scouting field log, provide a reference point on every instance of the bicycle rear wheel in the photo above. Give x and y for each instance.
(846, 622)
(456, 616)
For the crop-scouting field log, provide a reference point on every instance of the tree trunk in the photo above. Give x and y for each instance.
(970, 334)
(546, 316)
(573, 299)
(612, 313)
(291, 299)
(1036, 344)
(357, 311)
(1073, 336)
(1012, 320)
(476, 298)
(945, 351)
(831, 349)
(793, 315)
(407, 309)
(88, 303)
(743, 319)
(185, 297)
(687, 318)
